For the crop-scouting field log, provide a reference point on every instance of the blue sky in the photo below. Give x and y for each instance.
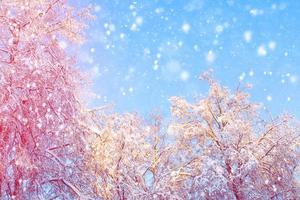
(142, 52)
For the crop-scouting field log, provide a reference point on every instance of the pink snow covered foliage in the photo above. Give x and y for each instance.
(39, 109)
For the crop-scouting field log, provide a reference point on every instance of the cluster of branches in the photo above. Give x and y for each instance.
(51, 147)
(216, 148)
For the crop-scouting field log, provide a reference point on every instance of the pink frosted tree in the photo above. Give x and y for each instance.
(40, 139)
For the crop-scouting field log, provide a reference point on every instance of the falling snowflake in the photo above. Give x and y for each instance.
(248, 36)
(210, 56)
(184, 75)
(186, 27)
(261, 51)
(272, 45)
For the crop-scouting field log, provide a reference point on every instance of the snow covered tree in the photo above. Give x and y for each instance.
(217, 148)
(128, 157)
(40, 137)
(227, 151)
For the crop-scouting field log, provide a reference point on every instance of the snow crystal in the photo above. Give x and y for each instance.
(134, 13)
(112, 27)
(242, 76)
(210, 56)
(25, 121)
(61, 127)
(159, 10)
(132, 7)
(274, 188)
(196, 48)
(247, 36)
(133, 27)
(186, 27)
(97, 8)
(293, 79)
(122, 35)
(62, 44)
(180, 43)
(39, 125)
(255, 12)
(261, 51)
(272, 45)
(251, 73)
(184, 75)
(108, 32)
(219, 28)
(274, 6)
(139, 20)
(147, 51)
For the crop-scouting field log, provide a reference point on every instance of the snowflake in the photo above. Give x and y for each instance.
(184, 75)
(251, 73)
(219, 29)
(248, 36)
(261, 51)
(210, 56)
(139, 20)
(272, 45)
(186, 27)
(293, 79)
(122, 35)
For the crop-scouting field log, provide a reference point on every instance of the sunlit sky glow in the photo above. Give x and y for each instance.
(143, 52)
